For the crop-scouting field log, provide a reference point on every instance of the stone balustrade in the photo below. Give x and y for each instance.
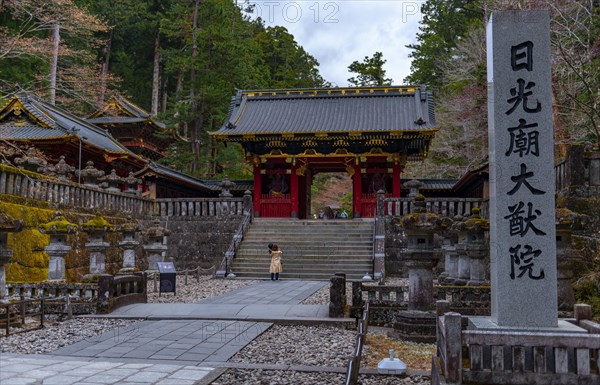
(52, 290)
(62, 194)
(443, 206)
(199, 207)
(59, 194)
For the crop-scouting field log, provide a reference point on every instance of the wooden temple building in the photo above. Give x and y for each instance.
(134, 128)
(28, 122)
(289, 136)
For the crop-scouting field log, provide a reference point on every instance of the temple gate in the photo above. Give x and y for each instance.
(289, 136)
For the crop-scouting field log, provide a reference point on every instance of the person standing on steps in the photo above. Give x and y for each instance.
(276, 267)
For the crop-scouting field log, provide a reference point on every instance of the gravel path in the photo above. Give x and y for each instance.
(195, 291)
(280, 377)
(300, 345)
(56, 335)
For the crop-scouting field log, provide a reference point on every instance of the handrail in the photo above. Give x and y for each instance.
(223, 269)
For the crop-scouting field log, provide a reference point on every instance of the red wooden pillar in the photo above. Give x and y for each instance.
(396, 172)
(257, 189)
(357, 191)
(294, 192)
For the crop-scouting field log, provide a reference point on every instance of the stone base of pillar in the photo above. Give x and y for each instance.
(415, 326)
(127, 271)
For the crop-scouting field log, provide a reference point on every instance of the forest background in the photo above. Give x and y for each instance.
(182, 60)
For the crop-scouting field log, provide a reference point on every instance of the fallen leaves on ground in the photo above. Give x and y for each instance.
(416, 356)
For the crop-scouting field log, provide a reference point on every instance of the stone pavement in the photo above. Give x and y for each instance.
(263, 302)
(18, 369)
(174, 344)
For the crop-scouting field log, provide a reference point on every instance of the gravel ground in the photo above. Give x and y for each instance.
(55, 335)
(279, 377)
(300, 345)
(195, 291)
(303, 345)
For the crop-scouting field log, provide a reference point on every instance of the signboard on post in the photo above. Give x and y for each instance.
(168, 277)
(521, 145)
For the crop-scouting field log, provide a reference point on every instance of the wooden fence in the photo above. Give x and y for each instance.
(354, 362)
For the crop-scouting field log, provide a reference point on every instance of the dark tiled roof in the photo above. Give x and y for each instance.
(335, 110)
(433, 184)
(171, 174)
(55, 123)
(239, 185)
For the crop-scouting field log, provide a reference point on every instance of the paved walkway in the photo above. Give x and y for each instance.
(175, 344)
(262, 302)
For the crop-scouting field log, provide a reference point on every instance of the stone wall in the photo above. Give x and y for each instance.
(199, 241)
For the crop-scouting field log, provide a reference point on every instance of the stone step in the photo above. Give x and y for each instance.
(325, 276)
(311, 249)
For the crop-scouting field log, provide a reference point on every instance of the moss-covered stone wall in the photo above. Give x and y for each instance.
(29, 262)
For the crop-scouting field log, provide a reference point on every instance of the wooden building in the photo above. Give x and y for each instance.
(134, 128)
(289, 136)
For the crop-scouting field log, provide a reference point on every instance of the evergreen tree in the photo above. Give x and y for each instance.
(370, 71)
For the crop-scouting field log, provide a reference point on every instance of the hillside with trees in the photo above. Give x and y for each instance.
(180, 60)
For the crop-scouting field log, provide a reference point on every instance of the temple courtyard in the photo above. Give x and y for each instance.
(271, 333)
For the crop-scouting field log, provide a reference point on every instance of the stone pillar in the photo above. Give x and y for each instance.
(336, 289)
(463, 272)
(420, 284)
(566, 257)
(128, 244)
(7, 225)
(247, 201)
(58, 229)
(522, 181)
(476, 248)
(154, 244)
(450, 260)
(96, 245)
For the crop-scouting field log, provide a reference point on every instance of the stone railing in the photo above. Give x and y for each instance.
(121, 290)
(386, 300)
(579, 171)
(223, 269)
(509, 357)
(199, 207)
(444, 206)
(77, 291)
(59, 194)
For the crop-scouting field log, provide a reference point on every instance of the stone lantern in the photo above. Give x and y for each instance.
(413, 186)
(566, 257)
(472, 233)
(154, 244)
(132, 184)
(96, 245)
(7, 225)
(58, 229)
(450, 254)
(420, 254)
(31, 160)
(61, 170)
(113, 181)
(128, 244)
(90, 174)
(226, 185)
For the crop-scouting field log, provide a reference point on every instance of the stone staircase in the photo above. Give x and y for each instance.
(312, 249)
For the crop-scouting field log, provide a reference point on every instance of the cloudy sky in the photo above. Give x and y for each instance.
(338, 32)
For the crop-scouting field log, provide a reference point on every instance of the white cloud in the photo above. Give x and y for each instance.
(338, 32)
